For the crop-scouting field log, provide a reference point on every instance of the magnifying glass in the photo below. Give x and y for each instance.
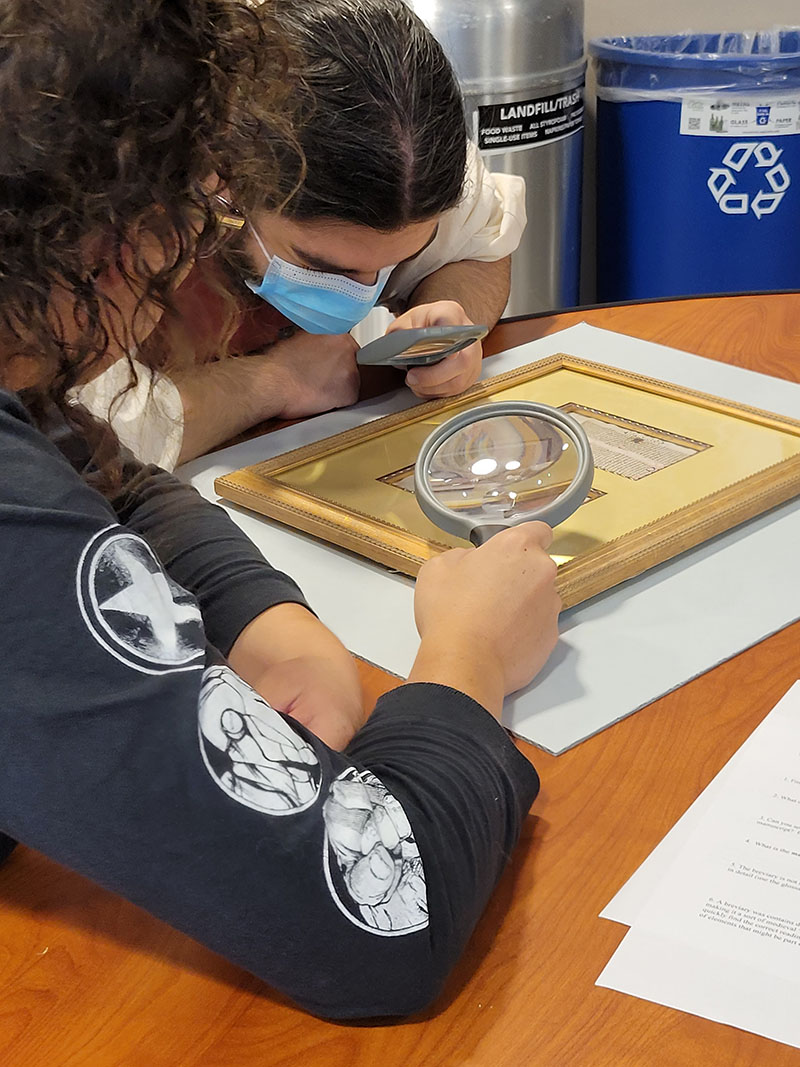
(419, 347)
(501, 464)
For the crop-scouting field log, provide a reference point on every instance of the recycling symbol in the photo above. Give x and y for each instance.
(765, 156)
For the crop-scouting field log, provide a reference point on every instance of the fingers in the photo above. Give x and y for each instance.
(527, 533)
(451, 558)
(523, 549)
(456, 373)
(453, 375)
(497, 606)
(349, 343)
(439, 313)
(345, 391)
(319, 372)
(348, 377)
(279, 686)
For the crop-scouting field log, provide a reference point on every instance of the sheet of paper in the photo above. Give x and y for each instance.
(610, 661)
(629, 901)
(720, 935)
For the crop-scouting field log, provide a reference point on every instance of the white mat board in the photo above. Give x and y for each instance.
(619, 651)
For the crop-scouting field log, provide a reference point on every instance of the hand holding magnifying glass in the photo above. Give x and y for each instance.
(501, 464)
(488, 619)
(420, 347)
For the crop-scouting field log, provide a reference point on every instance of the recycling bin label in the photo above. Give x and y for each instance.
(739, 116)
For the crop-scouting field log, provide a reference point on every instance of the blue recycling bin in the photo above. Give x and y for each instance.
(698, 164)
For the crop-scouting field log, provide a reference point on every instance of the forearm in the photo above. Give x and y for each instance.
(254, 614)
(459, 666)
(298, 376)
(481, 288)
(224, 398)
(288, 656)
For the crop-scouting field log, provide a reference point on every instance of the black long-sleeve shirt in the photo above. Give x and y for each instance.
(132, 753)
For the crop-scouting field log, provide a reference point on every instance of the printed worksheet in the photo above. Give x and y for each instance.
(720, 935)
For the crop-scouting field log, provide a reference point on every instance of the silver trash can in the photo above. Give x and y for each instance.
(521, 68)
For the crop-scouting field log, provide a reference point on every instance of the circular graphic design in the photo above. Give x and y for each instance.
(762, 158)
(372, 863)
(250, 750)
(134, 610)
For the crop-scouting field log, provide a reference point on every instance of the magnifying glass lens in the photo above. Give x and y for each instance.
(502, 467)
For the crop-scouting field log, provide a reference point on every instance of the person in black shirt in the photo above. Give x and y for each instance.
(176, 724)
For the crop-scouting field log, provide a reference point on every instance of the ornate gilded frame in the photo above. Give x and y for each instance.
(714, 504)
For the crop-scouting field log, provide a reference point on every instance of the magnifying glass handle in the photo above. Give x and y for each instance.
(479, 535)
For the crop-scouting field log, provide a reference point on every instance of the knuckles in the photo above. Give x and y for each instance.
(454, 312)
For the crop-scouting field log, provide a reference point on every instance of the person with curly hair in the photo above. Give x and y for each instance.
(176, 723)
(395, 207)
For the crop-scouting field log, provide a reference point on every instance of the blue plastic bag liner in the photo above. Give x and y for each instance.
(698, 62)
(698, 163)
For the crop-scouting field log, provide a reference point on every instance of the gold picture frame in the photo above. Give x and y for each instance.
(673, 468)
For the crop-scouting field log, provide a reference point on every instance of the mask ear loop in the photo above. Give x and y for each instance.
(259, 242)
(385, 273)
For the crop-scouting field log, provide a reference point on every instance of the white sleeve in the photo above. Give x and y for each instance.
(486, 224)
(144, 409)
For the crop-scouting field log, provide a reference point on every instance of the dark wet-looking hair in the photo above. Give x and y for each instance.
(383, 130)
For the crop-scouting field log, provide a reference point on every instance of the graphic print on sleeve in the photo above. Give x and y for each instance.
(372, 863)
(250, 751)
(134, 610)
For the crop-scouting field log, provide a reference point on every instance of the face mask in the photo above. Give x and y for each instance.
(315, 301)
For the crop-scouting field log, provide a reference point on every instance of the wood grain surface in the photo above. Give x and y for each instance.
(87, 979)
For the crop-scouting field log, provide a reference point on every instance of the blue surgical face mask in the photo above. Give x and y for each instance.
(315, 301)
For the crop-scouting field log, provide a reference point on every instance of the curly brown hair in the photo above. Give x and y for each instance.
(112, 117)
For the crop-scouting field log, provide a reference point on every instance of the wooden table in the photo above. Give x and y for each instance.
(88, 979)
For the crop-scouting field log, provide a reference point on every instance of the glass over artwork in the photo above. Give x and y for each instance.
(646, 449)
(672, 468)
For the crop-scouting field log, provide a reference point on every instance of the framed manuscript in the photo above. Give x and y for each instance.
(673, 468)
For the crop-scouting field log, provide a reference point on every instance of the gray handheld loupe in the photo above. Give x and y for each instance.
(419, 347)
(500, 464)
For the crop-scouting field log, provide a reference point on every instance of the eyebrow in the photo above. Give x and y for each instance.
(318, 263)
